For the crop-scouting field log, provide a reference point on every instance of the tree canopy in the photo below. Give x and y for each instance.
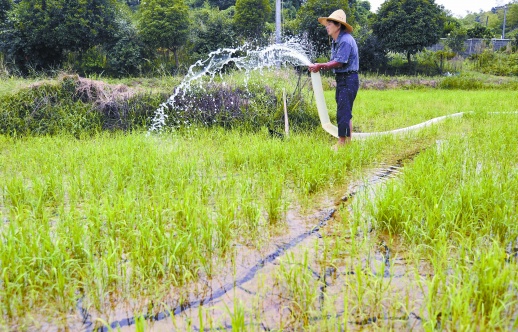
(479, 31)
(5, 6)
(251, 16)
(307, 21)
(362, 12)
(408, 26)
(125, 37)
(214, 30)
(164, 24)
(39, 33)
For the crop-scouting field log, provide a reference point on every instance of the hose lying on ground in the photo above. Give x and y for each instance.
(316, 81)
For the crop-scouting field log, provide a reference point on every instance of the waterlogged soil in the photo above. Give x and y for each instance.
(292, 282)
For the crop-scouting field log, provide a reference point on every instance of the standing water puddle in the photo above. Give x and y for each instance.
(252, 281)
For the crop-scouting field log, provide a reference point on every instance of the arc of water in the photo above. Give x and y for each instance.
(243, 58)
(289, 52)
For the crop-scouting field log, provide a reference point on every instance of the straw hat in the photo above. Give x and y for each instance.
(337, 16)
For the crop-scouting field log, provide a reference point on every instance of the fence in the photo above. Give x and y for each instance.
(475, 45)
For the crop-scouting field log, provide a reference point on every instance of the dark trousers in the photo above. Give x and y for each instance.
(346, 89)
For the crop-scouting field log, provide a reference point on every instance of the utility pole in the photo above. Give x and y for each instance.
(278, 40)
(278, 21)
(504, 7)
(503, 25)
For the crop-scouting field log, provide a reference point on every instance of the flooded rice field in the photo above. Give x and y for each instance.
(124, 234)
(294, 281)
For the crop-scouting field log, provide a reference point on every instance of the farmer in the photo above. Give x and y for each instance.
(344, 62)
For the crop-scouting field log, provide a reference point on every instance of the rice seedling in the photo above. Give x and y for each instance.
(461, 219)
(237, 316)
(149, 222)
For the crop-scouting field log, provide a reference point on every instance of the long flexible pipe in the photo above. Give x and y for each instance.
(323, 114)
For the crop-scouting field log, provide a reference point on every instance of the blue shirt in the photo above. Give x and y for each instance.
(345, 50)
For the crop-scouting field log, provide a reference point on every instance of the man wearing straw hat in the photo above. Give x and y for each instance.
(344, 62)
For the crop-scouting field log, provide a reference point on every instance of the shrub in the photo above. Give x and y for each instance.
(496, 63)
(249, 108)
(461, 83)
(45, 109)
(76, 106)
(372, 53)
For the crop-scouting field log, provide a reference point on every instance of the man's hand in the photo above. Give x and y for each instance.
(314, 68)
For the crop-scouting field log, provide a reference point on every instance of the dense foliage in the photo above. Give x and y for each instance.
(164, 37)
(372, 53)
(308, 24)
(493, 20)
(38, 34)
(164, 24)
(74, 106)
(408, 26)
(251, 16)
(456, 39)
(79, 106)
(212, 29)
(5, 6)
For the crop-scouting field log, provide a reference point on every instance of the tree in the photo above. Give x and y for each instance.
(408, 26)
(219, 4)
(133, 4)
(215, 31)
(40, 33)
(362, 12)
(250, 17)
(450, 24)
(456, 40)
(307, 21)
(5, 7)
(512, 16)
(124, 57)
(164, 24)
(372, 54)
(479, 31)
(488, 20)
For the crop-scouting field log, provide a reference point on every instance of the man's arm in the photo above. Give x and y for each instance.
(316, 67)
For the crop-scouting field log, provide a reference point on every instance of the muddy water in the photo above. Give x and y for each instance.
(292, 282)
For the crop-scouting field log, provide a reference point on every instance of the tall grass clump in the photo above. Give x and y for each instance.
(472, 188)
(75, 106)
(456, 206)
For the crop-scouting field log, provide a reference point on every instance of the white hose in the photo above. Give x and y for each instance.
(316, 81)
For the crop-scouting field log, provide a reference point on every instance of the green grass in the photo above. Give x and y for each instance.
(11, 85)
(133, 220)
(165, 207)
(457, 207)
(376, 110)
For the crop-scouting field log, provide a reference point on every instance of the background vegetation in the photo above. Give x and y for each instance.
(163, 37)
